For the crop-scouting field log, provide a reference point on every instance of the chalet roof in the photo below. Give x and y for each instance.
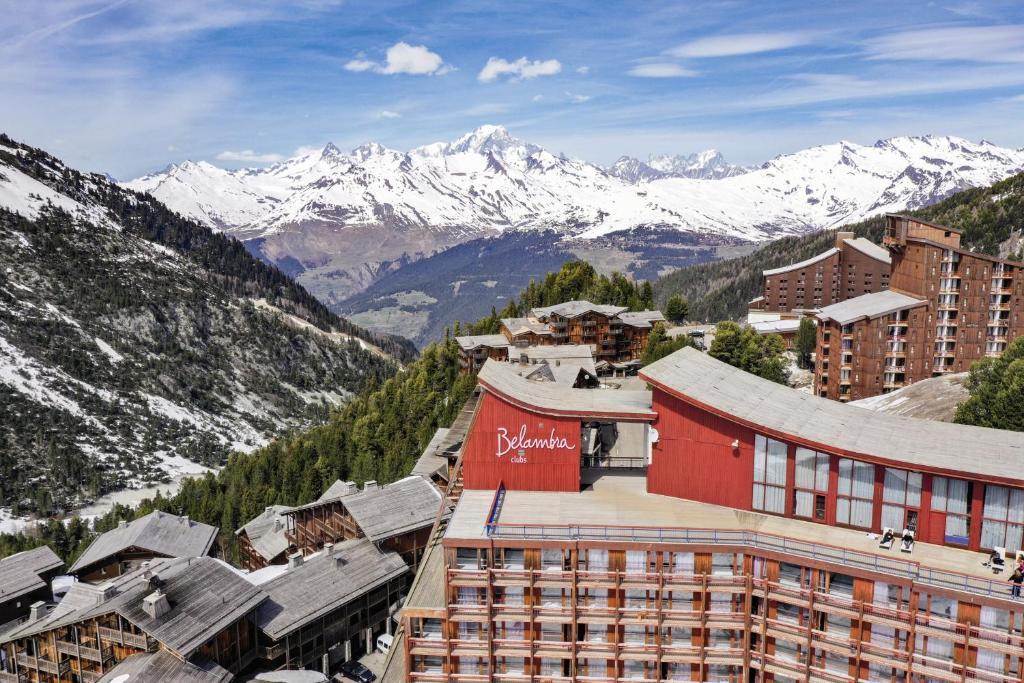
(430, 461)
(451, 443)
(267, 532)
(508, 381)
(869, 248)
(562, 372)
(641, 319)
(784, 326)
(776, 410)
(158, 532)
(470, 342)
(574, 309)
(20, 573)
(923, 222)
(336, 490)
(325, 582)
(552, 352)
(399, 507)
(868, 306)
(517, 326)
(164, 667)
(801, 264)
(205, 596)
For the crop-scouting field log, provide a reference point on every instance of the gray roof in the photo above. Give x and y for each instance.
(956, 450)
(573, 309)
(508, 380)
(158, 532)
(869, 306)
(552, 352)
(470, 342)
(430, 461)
(267, 532)
(784, 326)
(404, 505)
(336, 490)
(451, 443)
(869, 248)
(641, 318)
(563, 372)
(20, 573)
(205, 595)
(802, 264)
(164, 667)
(325, 582)
(520, 325)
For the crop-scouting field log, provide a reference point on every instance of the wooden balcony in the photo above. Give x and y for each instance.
(20, 677)
(59, 669)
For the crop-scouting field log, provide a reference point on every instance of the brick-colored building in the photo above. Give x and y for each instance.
(946, 308)
(854, 266)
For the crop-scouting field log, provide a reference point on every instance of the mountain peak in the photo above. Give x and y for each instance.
(330, 150)
(367, 150)
(489, 138)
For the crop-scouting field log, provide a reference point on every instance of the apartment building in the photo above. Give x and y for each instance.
(263, 541)
(614, 333)
(854, 266)
(953, 307)
(25, 579)
(746, 544)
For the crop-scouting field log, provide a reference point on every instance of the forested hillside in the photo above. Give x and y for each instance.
(133, 341)
(378, 435)
(988, 216)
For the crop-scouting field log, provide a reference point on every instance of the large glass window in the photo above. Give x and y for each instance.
(901, 499)
(810, 484)
(953, 496)
(856, 491)
(769, 475)
(1003, 519)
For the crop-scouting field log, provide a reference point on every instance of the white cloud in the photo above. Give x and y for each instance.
(403, 58)
(577, 99)
(661, 70)
(388, 114)
(739, 44)
(520, 69)
(538, 98)
(966, 43)
(249, 155)
(583, 70)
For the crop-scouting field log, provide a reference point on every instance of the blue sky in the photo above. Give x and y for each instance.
(126, 86)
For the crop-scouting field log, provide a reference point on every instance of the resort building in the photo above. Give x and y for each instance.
(25, 579)
(153, 536)
(854, 266)
(760, 534)
(946, 307)
(475, 349)
(263, 541)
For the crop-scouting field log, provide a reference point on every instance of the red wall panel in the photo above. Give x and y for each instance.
(494, 451)
(694, 457)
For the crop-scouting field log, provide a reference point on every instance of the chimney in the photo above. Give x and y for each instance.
(146, 573)
(277, 525)
(350, 487)
(185, 519)
(269, 510)
(122, 524)
(370, 485)
(37, 611)
(328, 547)
(841, 237)
(155, 604)
(294, 560)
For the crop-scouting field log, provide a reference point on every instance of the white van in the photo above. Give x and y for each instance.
(384, 641)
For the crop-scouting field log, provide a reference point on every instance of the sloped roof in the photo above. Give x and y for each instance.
(777, 410)
(507, 381)
(404, 505)
(802, 264)
(517, 326)
(157, 532)
(868, 306)
(470, 342)
(322, 584)
(552, 352)
(20, 573)
(784, 326)
(164, 667)
(573, 309)
(869, 248)
(430, 461)
(641, 318)
(267, 532)
(204, 593)
(337, 489)
(562, 372)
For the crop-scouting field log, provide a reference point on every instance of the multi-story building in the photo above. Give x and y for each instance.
(854, 266)
(263, 541)
(946, 308)
(748, 542)
(475, 349)
(25, 579)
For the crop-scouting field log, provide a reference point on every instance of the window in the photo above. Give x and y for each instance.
(769, 475)
(636, 561)
(856, 492)
(811, 482)
(953, 496)
(901, 499)
(1003, 518)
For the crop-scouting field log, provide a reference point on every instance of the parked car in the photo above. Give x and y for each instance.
(354, 671)
(384, 641)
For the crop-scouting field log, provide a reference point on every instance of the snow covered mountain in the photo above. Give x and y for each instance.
(339, 220)
(134, 342)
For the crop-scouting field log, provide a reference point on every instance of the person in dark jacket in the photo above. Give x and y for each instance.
(1017, 578)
